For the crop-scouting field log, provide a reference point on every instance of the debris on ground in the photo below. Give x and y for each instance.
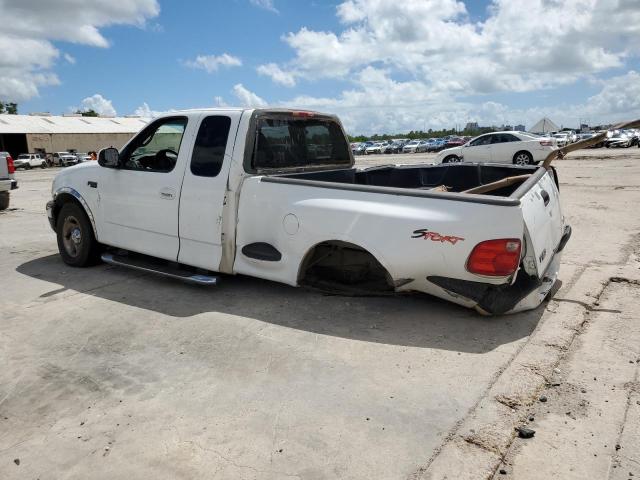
(524, 432)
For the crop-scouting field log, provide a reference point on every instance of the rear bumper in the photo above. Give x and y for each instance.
(526, 293)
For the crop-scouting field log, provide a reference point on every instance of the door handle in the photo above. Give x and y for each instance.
(167, 193)
(545, 197)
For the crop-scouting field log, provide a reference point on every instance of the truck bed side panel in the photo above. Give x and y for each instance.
(412, 237)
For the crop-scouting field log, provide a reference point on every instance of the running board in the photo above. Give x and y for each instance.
(150, 265)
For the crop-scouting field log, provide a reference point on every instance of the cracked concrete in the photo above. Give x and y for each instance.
(113, 374)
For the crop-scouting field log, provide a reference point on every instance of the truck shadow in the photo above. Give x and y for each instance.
(408, 320)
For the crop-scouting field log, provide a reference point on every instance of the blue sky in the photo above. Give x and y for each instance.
(383, 66)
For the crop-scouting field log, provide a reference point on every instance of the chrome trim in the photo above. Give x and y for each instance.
(74, 193)
(198, 279)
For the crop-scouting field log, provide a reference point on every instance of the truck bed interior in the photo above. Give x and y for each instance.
(455, 177)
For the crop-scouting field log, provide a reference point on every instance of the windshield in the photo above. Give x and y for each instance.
(291, 142)
(23, 156)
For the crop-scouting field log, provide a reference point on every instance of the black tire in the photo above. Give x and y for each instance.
(523, 158)
(451, 159)
(4, 200)
(76, 243)
(43, 165)
(27, 166)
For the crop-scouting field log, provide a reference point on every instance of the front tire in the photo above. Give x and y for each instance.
(76, 243)
(451, 159)
(522, 158)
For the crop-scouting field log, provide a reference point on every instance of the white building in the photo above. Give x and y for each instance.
(69, 133)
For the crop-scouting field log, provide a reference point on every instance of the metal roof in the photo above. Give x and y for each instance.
(69, 124)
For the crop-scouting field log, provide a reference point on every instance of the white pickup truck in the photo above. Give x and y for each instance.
(274, 194)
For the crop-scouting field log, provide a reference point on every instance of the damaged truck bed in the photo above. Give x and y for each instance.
(274, 194)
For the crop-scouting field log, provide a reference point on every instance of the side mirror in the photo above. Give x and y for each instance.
(109, 158)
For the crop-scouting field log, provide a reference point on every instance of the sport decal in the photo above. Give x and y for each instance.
(425, 234)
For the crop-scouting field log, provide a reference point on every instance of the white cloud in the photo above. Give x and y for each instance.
(265, 4)
(282, 77)
(211, 63)
(247, 98)
(98, 104)
(145, 111)
(69, 58)
(30, 26)
(415, 64)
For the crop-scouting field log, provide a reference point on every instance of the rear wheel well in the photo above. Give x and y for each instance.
(515, 156)
(341, 267)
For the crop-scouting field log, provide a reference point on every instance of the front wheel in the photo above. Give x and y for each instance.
(43, 165)
(76, 243)
(523, 158)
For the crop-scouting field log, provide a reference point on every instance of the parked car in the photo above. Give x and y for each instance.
(289, 216)
(30, 160)
(586, 136)
(7, 179)
(436, 144)
(394, 147)
(83, 157)
(63, 159)
(619, 139)
(500, 147)
(455, 142)
(68, 160)
(562, 139)
(374, 148)
(411, 147)
(360, 150)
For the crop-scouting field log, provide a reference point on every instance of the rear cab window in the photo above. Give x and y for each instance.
(210, 145)
(291, 141)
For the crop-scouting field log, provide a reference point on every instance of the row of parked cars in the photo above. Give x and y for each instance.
(619, 138)
(405, 145)
(59, 159)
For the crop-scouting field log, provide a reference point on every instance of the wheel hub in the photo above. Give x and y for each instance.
(76, 236)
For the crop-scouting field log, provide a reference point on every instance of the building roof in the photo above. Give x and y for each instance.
(69, 124)
(544, 126)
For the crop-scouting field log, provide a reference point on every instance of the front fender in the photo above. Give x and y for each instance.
(61, 196)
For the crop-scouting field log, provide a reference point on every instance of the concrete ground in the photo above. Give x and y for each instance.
(110, 373)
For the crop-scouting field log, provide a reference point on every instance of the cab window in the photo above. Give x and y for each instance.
(210, 145)
(156, 148)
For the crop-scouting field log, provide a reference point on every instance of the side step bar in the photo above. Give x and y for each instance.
(150, 265)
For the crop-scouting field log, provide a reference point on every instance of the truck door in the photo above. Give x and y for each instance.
(204, 189)
(139, 201)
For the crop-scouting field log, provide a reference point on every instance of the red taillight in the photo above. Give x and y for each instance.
(496, 258)
(546, 143)
(10, 166)
(303, 114)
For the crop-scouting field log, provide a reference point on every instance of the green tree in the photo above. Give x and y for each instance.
(88, 113)
(9, 108)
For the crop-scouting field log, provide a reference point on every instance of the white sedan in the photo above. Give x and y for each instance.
(500, 147)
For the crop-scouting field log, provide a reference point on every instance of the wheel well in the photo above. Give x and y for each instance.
(343, 267)
(523, 151)
(64, 198)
